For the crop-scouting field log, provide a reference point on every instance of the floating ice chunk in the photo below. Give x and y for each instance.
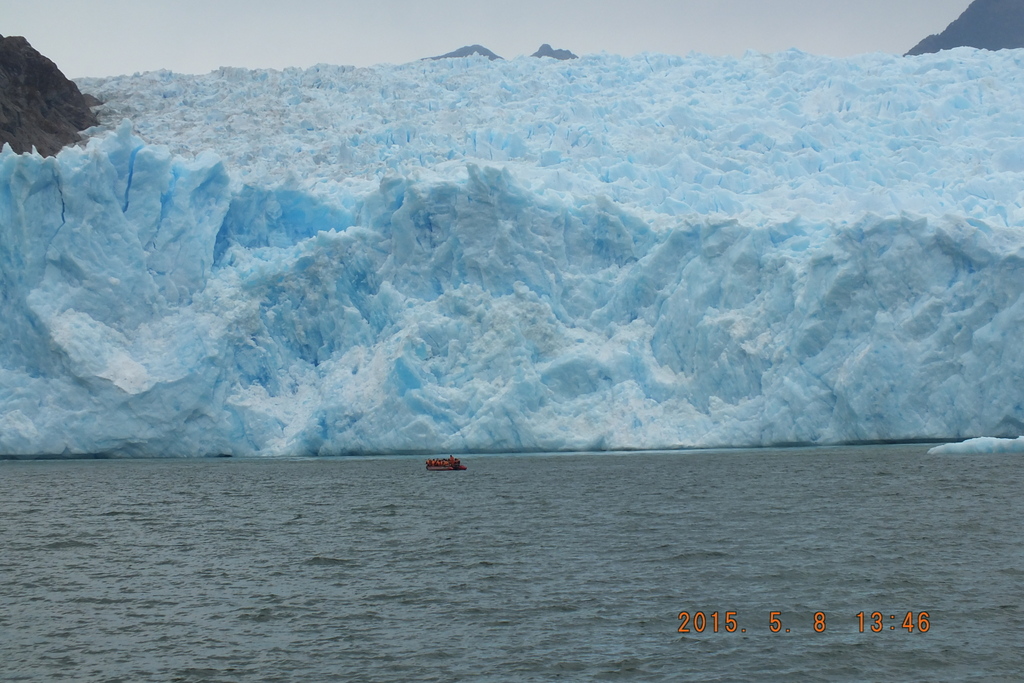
(982, 444)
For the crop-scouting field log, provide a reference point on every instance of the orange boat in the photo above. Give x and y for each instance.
(444, 464)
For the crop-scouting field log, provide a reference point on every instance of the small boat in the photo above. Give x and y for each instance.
(444, 464)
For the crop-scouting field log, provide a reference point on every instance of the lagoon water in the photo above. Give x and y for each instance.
(522, 568)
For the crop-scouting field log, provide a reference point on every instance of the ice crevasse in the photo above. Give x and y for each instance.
(648, 252)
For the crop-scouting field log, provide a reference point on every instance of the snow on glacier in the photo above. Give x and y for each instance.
(468, 255)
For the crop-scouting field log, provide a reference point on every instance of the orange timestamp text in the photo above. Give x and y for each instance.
(876, 622)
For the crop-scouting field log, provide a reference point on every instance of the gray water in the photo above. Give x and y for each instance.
(522, 568)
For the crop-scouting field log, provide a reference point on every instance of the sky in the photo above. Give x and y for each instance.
(111, 37)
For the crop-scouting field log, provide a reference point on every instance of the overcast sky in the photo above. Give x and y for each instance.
(109, 37)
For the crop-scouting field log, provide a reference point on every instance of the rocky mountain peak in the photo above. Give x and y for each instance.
(546, 51)
(985, 24)
(469, 51)
(38, 106)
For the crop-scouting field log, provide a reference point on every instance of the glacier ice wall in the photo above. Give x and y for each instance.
(463, 255)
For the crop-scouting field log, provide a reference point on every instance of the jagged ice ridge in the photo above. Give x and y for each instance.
(470, 255)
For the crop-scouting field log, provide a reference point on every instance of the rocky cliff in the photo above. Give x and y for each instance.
(38, 106)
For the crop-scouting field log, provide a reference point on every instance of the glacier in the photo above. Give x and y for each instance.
(465, 256)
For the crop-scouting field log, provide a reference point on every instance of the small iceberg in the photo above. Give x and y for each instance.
(984, 444)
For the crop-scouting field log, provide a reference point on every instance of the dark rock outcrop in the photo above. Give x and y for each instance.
(468, 51)
(546, 51)
(986, 24)
(38, 105)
